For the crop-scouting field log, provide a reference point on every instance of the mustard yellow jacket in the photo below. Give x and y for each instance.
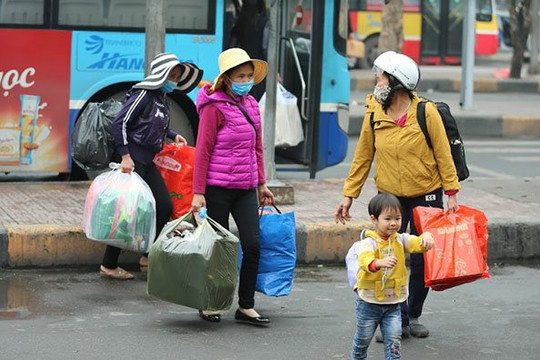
(404, 164)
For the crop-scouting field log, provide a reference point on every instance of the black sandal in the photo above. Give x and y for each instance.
(210, 317)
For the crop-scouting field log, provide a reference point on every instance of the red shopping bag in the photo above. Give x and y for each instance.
(460, 252)
(175, 164)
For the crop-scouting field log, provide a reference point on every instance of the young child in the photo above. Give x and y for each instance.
(382, 279)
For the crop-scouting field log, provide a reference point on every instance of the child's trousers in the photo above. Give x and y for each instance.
(368, 317)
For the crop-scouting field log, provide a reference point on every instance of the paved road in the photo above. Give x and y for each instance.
(488, 158)
(73, 314)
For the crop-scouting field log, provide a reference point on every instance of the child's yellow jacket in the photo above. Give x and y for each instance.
(373, 247)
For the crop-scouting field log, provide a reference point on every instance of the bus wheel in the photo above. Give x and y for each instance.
(180, 122)
(76, 174)
(371, 52)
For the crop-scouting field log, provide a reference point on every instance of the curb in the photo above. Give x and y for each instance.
(317, 243)
(52, 245)
(326, 242)
(513, 125)
(513, 241)
(479, 125)
(454, 85)
(4, 259)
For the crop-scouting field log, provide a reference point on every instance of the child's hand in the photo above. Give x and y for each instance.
(427, 240)
(388, 262)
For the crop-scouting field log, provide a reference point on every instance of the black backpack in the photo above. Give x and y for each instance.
(452, 132)
(450, 126)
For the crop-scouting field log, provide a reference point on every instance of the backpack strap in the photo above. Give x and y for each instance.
(399, 238)
(363, 236)
(421, 118)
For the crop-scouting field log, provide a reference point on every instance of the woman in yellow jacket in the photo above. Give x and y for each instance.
(405, 165)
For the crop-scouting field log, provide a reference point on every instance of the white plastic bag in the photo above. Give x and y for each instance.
(120, 210)
(289, 131)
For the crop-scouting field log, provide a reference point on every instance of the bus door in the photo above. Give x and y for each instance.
(442, 31)
(300, 71)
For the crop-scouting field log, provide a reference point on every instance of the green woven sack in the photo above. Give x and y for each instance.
(199, 271)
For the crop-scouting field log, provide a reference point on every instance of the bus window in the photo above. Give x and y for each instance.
(357, 5)
(341, 28)
(484, 10)
(22, 12)
(81, 13)
(129, 14)
(189, 16)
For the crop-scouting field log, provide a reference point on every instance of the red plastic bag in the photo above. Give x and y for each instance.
(460, 252)
(175, 164)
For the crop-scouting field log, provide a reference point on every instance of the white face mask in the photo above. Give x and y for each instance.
(381, 93)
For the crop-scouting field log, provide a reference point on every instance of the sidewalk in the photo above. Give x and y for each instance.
(490, 75)
(501, 106)
(40, 223)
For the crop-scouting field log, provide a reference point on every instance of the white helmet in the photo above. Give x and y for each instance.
(400, 66)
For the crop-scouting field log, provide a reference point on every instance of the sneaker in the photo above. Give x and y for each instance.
(405, 333)
(418, 330)
(378, 337)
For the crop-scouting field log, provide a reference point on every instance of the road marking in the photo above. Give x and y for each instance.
(521, 159)
(495, 174)
(501, 143)
(504, 150)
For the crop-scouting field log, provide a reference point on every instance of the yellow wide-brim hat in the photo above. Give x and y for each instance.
(233, 57)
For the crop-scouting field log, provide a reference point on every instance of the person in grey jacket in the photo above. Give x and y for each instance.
(140, 130)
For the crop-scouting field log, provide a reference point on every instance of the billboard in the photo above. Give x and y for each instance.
(34, 100)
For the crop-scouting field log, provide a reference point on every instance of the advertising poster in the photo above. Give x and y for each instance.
(34, 100)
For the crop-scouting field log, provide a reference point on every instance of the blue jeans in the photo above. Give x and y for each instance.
(368, 316)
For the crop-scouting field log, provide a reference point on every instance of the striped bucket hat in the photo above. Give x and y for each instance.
(161, 66)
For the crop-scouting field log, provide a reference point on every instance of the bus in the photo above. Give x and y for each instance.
(60, 55)
(432, 30)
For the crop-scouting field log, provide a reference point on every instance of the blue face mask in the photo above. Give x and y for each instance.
(241, 89)
(168, 87)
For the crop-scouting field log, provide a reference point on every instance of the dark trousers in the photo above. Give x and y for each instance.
(151, 176)
(242, 204)
(417, 288)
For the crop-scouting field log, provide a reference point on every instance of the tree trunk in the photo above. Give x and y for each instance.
(391, 37)
(520, 24)
(534, 65)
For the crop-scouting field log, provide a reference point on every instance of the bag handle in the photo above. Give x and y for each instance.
(174, 224)
(261, 206)
(217, 225)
